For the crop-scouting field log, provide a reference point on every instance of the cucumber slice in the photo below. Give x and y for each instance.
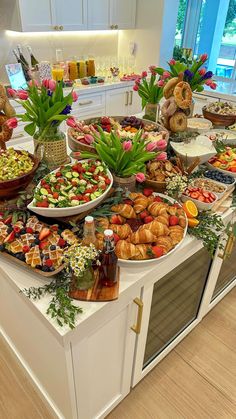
(52, 200)
(43, 191)
(75, 174)
(93, 196)
(68, 188)
(97, 193)
(88, 174)
(68, 175)
(64, 193)
(94, 181)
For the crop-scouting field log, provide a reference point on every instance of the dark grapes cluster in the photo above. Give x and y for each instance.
(132, 121)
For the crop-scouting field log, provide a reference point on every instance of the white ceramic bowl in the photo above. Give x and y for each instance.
(202, 206)
(66, 212)
(146, 262)
(226, 172)
(201, 140)
(199, 124)
(227, 185)
(228, 136)
(218, 194)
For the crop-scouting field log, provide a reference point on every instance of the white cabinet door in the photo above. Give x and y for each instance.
(103, 363)
(70, 16)
(117, 102)
(135, 103)
(122, 13)
(36, 17)
(98, 14)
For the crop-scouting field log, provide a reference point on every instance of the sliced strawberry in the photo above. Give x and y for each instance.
(144, 214)
(173, 220)
(116, 237)
(49, 263)
(129, 202)
(147, 191)
(207, 200)
(8, 220)
(44, 233)
(61, 242)
(148, 219)
(201, 198)
(206, 194)
(158, 199)
(10, 237)
(29, 230)
(211, 199)
(194, 195)
(26, 249)
(17, 229)
(54, 227)
(43, 245)
(157, 251)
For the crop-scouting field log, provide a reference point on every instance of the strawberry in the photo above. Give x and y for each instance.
(147, 191)
(29, 230)
(16, 229)
(116, 238)
(129, 202)
(10, 237)
(58, 174)
(105, 120)
(173, 220)
(26, 249)
(201, 198)
(8, 220)
(157, 199)
(44, 233)
(54, 227)
(157, 251)
(43, 244)
(148, 219)
(115, 219)
(49, 263)
(144, 214)
(61, 242)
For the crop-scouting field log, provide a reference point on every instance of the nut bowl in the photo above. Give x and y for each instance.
(219, 119)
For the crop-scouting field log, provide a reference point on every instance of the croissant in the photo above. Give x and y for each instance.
(140, 203)
(124, 210)
(121, 220)
(157, 208)
(134, 195)
(165, 242)
(176, 234)
(99, 237)
(172, 210)
(102, 223)
(157, 228)
(143, 251)
(125, 250)
(182, 221)
(123, 231)
(163, 218)
(142, 236)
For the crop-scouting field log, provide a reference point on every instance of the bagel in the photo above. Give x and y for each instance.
(168, 89)
(178, 122)
(5, 132)
(183, 95)
(169, 107)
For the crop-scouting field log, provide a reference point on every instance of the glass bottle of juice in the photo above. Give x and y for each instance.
(89, 236)
(91, 66)
(82, 68)
(108, 267)
(73, 70)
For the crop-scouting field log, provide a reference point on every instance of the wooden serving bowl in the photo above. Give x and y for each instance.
(10, 188)
(76, 145)
(156, 186)
(217, 119)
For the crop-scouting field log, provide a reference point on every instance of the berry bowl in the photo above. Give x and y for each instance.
(202, 206)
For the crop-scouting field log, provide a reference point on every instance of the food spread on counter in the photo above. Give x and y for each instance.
(14, 163)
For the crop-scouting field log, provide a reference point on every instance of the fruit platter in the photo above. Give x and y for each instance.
(34, 244)
(225, 161)
(203, 198)
(71, 189)
(81, 136)
(220, 113)
(147, 226)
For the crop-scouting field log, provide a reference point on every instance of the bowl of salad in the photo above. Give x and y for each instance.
(72, 189)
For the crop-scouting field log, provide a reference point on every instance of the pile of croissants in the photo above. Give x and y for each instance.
(145, 227)
(178, 95)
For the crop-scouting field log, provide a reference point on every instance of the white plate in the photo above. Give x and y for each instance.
(229, 137)
(204, 124)
(199, 140)
(202, 206)
(66, 212)
(226, 172)
(131, 263)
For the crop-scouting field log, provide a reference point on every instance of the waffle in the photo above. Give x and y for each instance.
(27, 239)
(15, 247)
(69, 237)
(19, 224)
(35, 224)
(56, 256)
(53, 238)
(3, 232)
(33, 258)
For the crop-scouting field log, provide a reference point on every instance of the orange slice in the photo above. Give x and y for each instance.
(190, 209)
(192, 222)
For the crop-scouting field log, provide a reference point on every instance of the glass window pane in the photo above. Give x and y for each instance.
(180, 22)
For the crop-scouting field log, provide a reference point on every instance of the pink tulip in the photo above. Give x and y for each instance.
(151, 146)
(166, 75)
(144, 74)
(89, 139)
(138, 81)
(11, 123)
(213, 85)
(208, 82)
(162, 156)
(11, 92)
(203, 57)
(71, 122)
(172, 61)
(76, 154)
(45, 83)
(52, 84)
(74, 96)
(202, 71)
(152, 70)
(135, 88)
(22, 94)
(161, 145)
(160, 83)
(33, 83)
(140, 177)
(127, 145)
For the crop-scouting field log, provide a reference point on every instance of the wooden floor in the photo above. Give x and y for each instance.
(197, 380)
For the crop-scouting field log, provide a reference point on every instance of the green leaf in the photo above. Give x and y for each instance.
(30, 128)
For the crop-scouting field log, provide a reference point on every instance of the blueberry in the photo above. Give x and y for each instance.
(45, 269)
(9, 230)
(20, 256)
(51, 269)
(17, 235)
(53, 247)
(2, 247)
(46, 257)
(38, 267)
(23, 231)
(37, 241)
(33, 245)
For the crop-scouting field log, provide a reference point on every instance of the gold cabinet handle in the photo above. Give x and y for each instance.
(61, 28)
(131, 98)
(116, 26)
(88, 102)
(56, 28)
(112, 26)
(127, 98)
(137, 327)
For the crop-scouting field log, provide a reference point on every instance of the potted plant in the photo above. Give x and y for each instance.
(125, 158)
(46, 108)
(80, 261)
(150, 89)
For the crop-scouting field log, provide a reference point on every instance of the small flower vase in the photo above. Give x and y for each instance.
(50, 147)
(152, 111)
(124, 182)
(81, 282)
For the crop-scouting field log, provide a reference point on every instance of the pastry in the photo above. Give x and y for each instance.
(125, 250)
(15, 247)
(123, 231)
(183, 95)
(33, 258)
(140, 203)
(69, 237)
(163, 218)
(102, 223)
(143, 236)
(35, 224)
(143, 251)
(165, 242)
(55, 255)
(178, 122)
(157, 208)
(125, 210)
(3, 232)
(176, 234)
(157, 228)
(168, 89)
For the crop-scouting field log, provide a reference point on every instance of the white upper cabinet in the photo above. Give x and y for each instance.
(98, 14)
(69, 15)
(122, 14)
(35, 16)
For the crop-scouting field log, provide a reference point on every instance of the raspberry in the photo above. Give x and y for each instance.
(49, 263)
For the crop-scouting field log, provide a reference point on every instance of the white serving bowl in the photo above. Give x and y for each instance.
(146, 262)
(201, 140)
(202, 206)
(218, 194)
(66, 212)
(226, 172)
(227, 185)
(228, 137)
(199, 124)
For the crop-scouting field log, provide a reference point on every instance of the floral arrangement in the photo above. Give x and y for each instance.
(79, 258)
(124, 157)
(149, 89)
(176, 185)
(45, 106)
(193, 73)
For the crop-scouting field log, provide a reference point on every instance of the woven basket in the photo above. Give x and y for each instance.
(156, 186)
(54, 153)
(124, 182)
(76, 145)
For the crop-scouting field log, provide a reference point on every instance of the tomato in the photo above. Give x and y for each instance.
(107, 181)
(58, 174)
(233, 169)
(55, 195)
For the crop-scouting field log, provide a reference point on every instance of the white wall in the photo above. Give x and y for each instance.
(44, 45)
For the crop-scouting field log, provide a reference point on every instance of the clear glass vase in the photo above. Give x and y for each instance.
(82, 282)
(152, 111)
(50, 146)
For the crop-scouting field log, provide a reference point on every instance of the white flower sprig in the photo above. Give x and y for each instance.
(176, 185)
(79, 258)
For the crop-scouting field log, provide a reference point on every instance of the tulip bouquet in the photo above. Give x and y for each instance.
(45, 107)
(193, 73)
(125, 158)
(149, 88)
